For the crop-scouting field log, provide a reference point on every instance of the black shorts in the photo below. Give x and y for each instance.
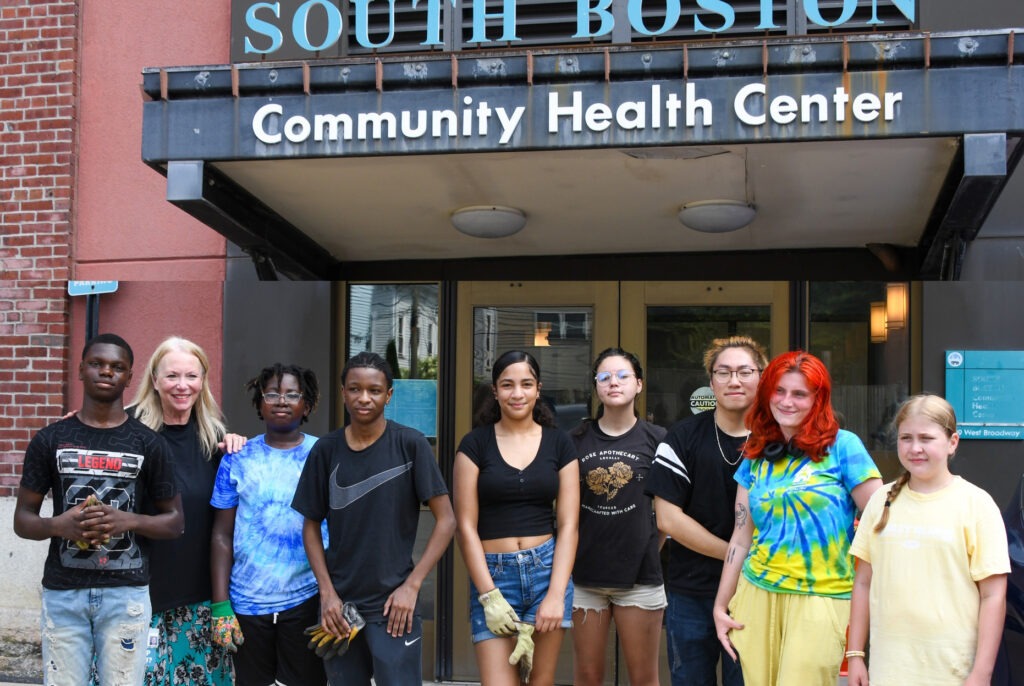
(274, 649)
(375, 653)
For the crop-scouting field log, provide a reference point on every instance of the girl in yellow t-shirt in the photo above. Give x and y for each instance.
(931, 580)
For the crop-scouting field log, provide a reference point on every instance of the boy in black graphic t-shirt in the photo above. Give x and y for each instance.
(102, 468)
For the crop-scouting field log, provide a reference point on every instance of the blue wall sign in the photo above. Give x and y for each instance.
(91, 287)
(986, 388)
(414, 403)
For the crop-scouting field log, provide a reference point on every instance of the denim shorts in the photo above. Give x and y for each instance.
(523, 578)
(645, 597)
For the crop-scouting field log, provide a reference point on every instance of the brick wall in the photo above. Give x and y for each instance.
(38, 50)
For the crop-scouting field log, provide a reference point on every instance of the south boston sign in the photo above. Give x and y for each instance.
(309, 29)
(719, 93)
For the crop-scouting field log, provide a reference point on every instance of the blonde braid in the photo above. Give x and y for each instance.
(891, 496)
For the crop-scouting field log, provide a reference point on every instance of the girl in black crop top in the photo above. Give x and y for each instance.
(508, 473)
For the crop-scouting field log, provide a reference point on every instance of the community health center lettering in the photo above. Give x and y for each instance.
(568, 112)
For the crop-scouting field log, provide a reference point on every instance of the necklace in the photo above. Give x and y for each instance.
(722, 452)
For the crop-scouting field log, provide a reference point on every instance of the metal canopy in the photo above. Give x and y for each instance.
(897, 149)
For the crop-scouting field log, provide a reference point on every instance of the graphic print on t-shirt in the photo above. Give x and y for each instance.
(607, 482)
(343, 496)
(606, 472)
(112, 478)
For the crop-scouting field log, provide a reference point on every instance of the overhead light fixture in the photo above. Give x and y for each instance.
(488, 221)
(716, 216)
(896, 305)
(879, 330)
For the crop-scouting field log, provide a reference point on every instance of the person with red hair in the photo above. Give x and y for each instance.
(783, 602)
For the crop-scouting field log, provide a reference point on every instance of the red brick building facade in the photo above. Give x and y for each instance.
(77, 202)
(38, 86)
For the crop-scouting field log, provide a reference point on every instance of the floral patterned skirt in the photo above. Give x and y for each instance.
(183, 652)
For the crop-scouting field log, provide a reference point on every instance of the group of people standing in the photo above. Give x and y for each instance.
(295, 554)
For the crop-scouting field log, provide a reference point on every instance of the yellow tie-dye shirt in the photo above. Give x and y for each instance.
(803, 514)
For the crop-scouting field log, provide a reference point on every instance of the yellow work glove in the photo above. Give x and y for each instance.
(327, 645)
(501, 618)
(523, 652)
(225, 630)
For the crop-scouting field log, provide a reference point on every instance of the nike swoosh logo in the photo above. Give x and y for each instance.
(343, 496)
(409, 643)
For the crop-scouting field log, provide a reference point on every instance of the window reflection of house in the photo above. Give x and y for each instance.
(404, 315)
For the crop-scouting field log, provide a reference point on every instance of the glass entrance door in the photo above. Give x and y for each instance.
(564, 325)
(671, 323)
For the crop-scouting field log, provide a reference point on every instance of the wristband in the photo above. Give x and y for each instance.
(222, 609)
(854, 653)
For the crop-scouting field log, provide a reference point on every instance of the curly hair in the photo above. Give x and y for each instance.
(819, 429)
(306, 379)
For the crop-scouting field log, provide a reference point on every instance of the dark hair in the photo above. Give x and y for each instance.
(819, 429)
(634, 362)
(307, 384)
(370, 361)
(110, 339)
(490, 412)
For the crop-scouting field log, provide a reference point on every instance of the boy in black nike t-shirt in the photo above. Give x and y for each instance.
(368, 480)
(104, 469)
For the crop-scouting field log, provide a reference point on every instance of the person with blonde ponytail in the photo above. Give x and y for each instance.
(931, 576)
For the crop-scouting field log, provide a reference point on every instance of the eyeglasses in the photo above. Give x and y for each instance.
(605, 378)
(274, 398)
(743, 373)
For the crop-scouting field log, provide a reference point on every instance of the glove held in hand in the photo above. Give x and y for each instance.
(225, 630)
(500, 617)
(523, 652)
(327, 645)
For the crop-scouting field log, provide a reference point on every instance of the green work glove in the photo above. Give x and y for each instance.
(225, 630)
(501, 618)
(523, 652)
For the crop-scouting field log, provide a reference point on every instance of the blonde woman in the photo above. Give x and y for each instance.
(174, 399)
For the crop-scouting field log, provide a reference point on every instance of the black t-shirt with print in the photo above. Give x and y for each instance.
(371, 499)
(618, 537)
(125, 466)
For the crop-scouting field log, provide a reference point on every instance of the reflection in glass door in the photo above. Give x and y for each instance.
(672, 323)
(677, 384)
(559, 338)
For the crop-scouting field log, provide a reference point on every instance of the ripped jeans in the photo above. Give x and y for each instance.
(108, 623)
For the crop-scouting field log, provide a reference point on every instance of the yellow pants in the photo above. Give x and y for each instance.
(788, 639)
